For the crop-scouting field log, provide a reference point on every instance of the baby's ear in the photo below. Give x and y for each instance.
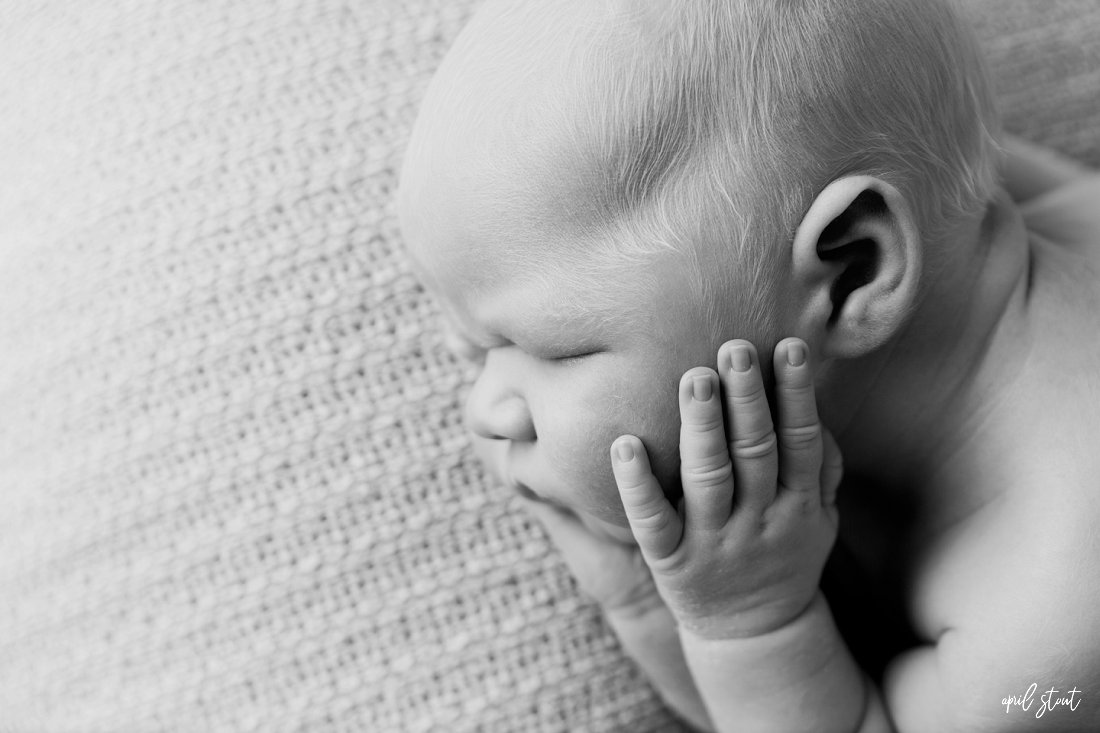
(856, 263)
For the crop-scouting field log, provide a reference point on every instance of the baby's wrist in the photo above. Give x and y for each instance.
(752, 623)
(635, 609)
(799, 676)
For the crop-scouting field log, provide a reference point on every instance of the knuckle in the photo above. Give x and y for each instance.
(792, 509)
(795, 391)
(630, 487)
(751, 396)
(755, 446)
(708, 473)
(704, 424)
(672, 566)
(800, 436)
(650, 518)
(808, 505)
(636, 488)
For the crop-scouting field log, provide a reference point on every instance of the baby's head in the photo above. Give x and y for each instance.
(602, 192)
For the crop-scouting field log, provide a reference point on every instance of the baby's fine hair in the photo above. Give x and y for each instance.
(738, 112)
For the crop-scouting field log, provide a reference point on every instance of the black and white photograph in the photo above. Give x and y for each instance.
(550, 366)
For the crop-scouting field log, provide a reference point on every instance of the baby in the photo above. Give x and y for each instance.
(682, 236)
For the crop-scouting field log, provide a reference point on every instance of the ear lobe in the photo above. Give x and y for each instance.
(856, 258)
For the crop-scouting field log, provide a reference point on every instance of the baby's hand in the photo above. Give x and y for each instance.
(744, 554)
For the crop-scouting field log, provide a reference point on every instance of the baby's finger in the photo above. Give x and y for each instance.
(705, 469)
(832, 468)
(799, 427)
(752, 437)
(655, 523)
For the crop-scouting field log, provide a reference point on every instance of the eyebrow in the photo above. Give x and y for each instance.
(568, 325)
(555, 320)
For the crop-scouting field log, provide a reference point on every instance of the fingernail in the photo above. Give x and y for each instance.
(796, 353)
(625, 451)
(700, 388)
(741, 359)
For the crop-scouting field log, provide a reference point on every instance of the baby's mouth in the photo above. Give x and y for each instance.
(507, 472)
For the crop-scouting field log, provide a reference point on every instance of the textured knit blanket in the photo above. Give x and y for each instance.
(235, 492)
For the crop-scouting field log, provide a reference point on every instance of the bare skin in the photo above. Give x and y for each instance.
(989, 553)
(980, 409)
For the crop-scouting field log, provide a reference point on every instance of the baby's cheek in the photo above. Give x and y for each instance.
(582, 450)
(582, 456)
(649, 409)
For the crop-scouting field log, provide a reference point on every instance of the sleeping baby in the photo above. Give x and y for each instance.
(681, 238)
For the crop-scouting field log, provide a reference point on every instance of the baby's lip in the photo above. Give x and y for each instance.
(514, 483)
(509, 473)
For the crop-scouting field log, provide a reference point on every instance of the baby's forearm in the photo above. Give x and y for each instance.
(650, 639)
(800, 677)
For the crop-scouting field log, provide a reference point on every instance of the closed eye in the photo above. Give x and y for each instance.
(572, 357)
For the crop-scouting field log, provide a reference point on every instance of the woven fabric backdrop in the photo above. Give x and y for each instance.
(235, 493)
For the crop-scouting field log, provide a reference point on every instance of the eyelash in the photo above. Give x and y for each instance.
(476, 353)
(572, 358)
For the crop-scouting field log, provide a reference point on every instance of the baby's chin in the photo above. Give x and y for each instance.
(602, 528)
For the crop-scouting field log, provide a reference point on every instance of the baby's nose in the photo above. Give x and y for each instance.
(498, 414)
